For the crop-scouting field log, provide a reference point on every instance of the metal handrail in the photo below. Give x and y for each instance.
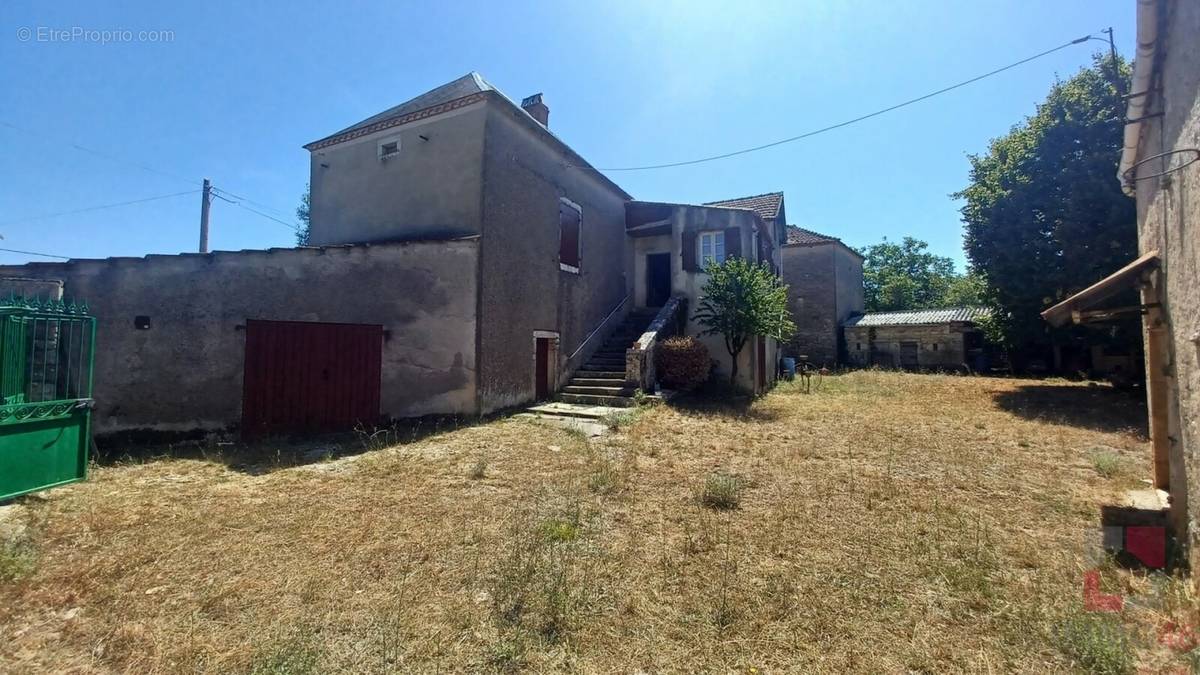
(599, 326)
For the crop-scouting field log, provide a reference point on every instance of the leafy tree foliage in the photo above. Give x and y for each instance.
(302, 214)
(1044, 214)
(904, 275)
(741, 299)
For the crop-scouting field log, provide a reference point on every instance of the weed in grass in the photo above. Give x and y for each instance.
(722, 491)
(1106, 463)
(605, 477)
(507, 655)
(1098, 643)
(621, 418)
(18, 558)
(478, 469)
(296, 655)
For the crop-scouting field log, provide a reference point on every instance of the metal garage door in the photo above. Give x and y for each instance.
(305, 377)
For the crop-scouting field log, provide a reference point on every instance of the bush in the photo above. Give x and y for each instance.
(682, 362)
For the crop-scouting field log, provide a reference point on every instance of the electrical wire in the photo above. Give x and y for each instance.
(861, 118)
(44, 255)
(95, 208)
(220, 194)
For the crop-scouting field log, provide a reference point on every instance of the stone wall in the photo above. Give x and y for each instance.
(1168, 215)
(939, 346)
(185, 371)
(824, 289)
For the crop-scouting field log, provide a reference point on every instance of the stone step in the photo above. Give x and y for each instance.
(605, 374)
(608, 366)
(565, 409)
(609, 354)
(597, 382)
(599, 390)
(596, 400)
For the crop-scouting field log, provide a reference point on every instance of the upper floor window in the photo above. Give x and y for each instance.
(570, 253)
(389, 147)
(712, 247)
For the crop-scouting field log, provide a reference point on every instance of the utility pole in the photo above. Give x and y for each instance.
(205, 201)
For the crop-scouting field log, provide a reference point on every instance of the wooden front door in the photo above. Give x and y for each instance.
(658, 279)
(303, 377)
(542, 368)
(909, 355)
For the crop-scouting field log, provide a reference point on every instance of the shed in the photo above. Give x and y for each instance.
(916, 339)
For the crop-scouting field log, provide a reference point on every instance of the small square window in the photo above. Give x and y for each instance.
(389, 148)
(858, 346)
(935, 346)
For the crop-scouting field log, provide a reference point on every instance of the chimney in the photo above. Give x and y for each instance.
(534, 106)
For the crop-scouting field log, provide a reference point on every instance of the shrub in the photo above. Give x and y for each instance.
(683, 363)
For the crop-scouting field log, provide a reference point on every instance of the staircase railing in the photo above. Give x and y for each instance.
(671, 320)
(599, 331)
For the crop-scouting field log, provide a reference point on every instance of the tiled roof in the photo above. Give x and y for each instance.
(799, 235)
(918, 317)
(767, 205)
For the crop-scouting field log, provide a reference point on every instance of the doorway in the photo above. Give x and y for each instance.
(760, 353)
(545, 358)
(658, 279)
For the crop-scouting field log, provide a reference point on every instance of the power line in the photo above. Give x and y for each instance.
(251, 201)
(44, 255)
(839, 125)
(95, 208)
(143, 167)
(217, 192)
(99, 153)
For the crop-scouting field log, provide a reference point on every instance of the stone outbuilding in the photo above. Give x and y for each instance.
(825, 288)
(923, 339)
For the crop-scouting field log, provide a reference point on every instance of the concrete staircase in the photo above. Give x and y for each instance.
(601, 381)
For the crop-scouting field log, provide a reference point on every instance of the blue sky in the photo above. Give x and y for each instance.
(239, 87)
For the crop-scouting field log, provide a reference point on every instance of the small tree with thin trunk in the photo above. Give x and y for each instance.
(740, 300)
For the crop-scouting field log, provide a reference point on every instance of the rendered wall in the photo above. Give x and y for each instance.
(431, 189)
(523, 289)
(185, 371)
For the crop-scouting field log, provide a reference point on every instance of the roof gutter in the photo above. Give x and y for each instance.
(1139, 97)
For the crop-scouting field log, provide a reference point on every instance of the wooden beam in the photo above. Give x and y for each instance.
(1158, 390)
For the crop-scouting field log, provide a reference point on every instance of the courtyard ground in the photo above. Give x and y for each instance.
(884, 522)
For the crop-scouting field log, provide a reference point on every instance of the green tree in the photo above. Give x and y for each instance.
(905, 276)
(302, 214)
(740, 300)
(1044, 213)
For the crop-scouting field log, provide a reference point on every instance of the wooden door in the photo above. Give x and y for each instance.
(542, 368)
(909, 354)
(303, 377)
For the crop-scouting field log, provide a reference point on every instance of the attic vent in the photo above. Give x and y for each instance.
(389, 148)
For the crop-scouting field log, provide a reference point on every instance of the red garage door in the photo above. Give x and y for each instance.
(310, 377)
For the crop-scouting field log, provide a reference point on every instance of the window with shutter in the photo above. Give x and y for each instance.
(570, 217)
(712, 247)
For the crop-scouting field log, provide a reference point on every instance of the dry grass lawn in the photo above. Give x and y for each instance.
(883, 523)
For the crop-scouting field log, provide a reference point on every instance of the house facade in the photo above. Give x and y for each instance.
(463, 259)
(825, 288)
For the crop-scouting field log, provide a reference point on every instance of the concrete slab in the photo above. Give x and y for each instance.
(563, 409)
(589, 427)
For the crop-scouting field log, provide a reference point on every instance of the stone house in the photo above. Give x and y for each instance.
(922, 339)
(825, 288)
(1160, 167)
(463, 259)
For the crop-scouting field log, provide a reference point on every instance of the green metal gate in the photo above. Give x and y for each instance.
(46, 354)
